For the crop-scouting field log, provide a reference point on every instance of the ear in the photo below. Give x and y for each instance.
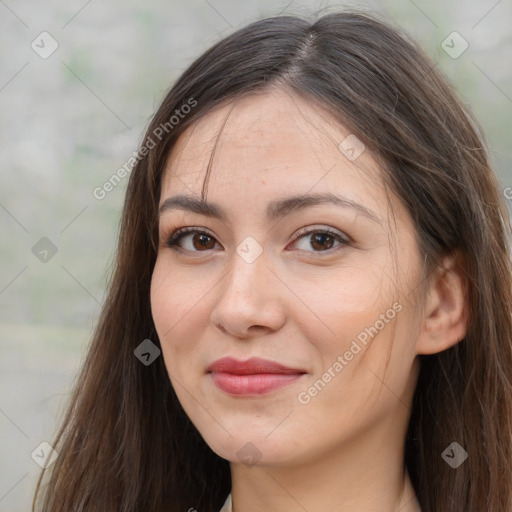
(445, 316)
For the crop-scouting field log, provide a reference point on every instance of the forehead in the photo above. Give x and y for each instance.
(272, 143)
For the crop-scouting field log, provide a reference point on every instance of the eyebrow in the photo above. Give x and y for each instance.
(275, 209)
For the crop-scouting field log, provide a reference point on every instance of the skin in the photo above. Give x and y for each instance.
(302, 303)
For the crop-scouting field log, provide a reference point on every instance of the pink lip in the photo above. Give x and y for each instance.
(252, 377)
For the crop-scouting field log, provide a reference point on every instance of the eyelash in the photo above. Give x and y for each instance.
(178, 234)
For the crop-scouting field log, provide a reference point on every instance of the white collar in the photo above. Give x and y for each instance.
(227, 507)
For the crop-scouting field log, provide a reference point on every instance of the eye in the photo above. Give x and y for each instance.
(321, 240)
(197, 240)
(200, 240)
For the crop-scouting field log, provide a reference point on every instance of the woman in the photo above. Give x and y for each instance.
(330, 328)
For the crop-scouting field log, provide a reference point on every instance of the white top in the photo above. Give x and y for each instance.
(227, 507)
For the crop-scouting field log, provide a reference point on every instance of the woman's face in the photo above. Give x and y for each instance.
(324, 288)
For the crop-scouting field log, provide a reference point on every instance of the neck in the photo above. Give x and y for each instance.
(365, 474)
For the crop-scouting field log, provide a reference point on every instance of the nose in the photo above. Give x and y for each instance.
(249, 301)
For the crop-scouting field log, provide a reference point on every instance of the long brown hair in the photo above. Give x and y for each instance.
(126, 443)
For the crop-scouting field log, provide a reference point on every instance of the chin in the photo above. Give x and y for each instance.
(254, 448)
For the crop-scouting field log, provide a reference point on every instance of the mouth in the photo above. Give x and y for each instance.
(252, 377)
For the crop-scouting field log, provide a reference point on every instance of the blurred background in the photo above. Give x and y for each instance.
(79, 82)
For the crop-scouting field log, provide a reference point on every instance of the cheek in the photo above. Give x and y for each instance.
(163, 301)
(179, 308)
(342, 304)
(361, 318)
(172, 296)
(169, 307)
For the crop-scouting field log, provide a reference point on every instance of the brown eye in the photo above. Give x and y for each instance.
(193, 240)
(320, 240)
(202, 241)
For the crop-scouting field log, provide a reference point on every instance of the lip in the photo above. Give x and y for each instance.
(252, 377)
